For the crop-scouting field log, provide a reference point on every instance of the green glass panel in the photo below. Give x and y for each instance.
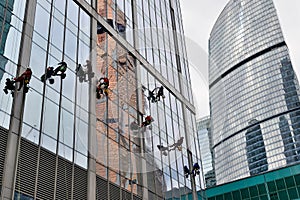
(262, 189)
(255, 198)
(295, 169)
(280, 184)
(298, 188)
(253, 191)
(211, 198)
(283, 195)
(274, 196)
(220, 197)
(236, 195)
(271, 186)
(289, 181)
(228, 196)
(293, 193)
(245, 193)
(264, 197)
(297, 179)
(277, 174)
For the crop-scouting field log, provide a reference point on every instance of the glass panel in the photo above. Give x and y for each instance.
(81, 134)
(280, 184)
(50, 120)
(262, 189)
(289, 181)
(66, 128)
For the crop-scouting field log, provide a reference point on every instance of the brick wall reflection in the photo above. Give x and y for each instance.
(120, 108)
(114, 62)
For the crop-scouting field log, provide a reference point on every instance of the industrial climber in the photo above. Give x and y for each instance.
(174, 146)
(102, 87)
(58, 71)
(195, 171)
(24, 80)
(9, 85)
(163, 149)
(135, 127)
(84, 70)
(62, 67)
(48, 75)
(177, 144)
(155, 94)
(148, 121)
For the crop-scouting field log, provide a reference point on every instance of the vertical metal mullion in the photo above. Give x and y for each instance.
(106, 114)
(118, 107)
(75, 115)
(92, 121)
(43, 102)
(20, 111)
(59, 108)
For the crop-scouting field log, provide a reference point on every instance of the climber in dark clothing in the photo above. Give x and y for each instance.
(160, 93)
(187, 171)
(155, 94)
(58, 71)
(196, 169)
(62, 67)
(9, 85)
(24, 80)
(48, 75)
(151, 96)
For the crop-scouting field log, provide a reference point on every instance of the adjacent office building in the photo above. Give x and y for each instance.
(59, 141)
(254, 92)
(205, 143)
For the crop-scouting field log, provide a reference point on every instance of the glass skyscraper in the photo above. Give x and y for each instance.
(254, 92)
(205, 143)
(59, 141)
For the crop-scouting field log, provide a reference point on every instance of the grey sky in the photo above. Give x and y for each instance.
(199, 17)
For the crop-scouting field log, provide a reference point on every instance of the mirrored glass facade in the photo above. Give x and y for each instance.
(69, 144)
(205, 143)
(254, 92)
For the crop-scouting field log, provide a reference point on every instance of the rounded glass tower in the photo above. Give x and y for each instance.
(254, 92)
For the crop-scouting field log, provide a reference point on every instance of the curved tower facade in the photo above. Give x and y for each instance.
(60, 140)
(254, 92)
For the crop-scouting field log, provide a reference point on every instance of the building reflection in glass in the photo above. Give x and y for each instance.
(205, 142)
(291, 96)
(256, 151)
(119, 150)
(289, 146)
